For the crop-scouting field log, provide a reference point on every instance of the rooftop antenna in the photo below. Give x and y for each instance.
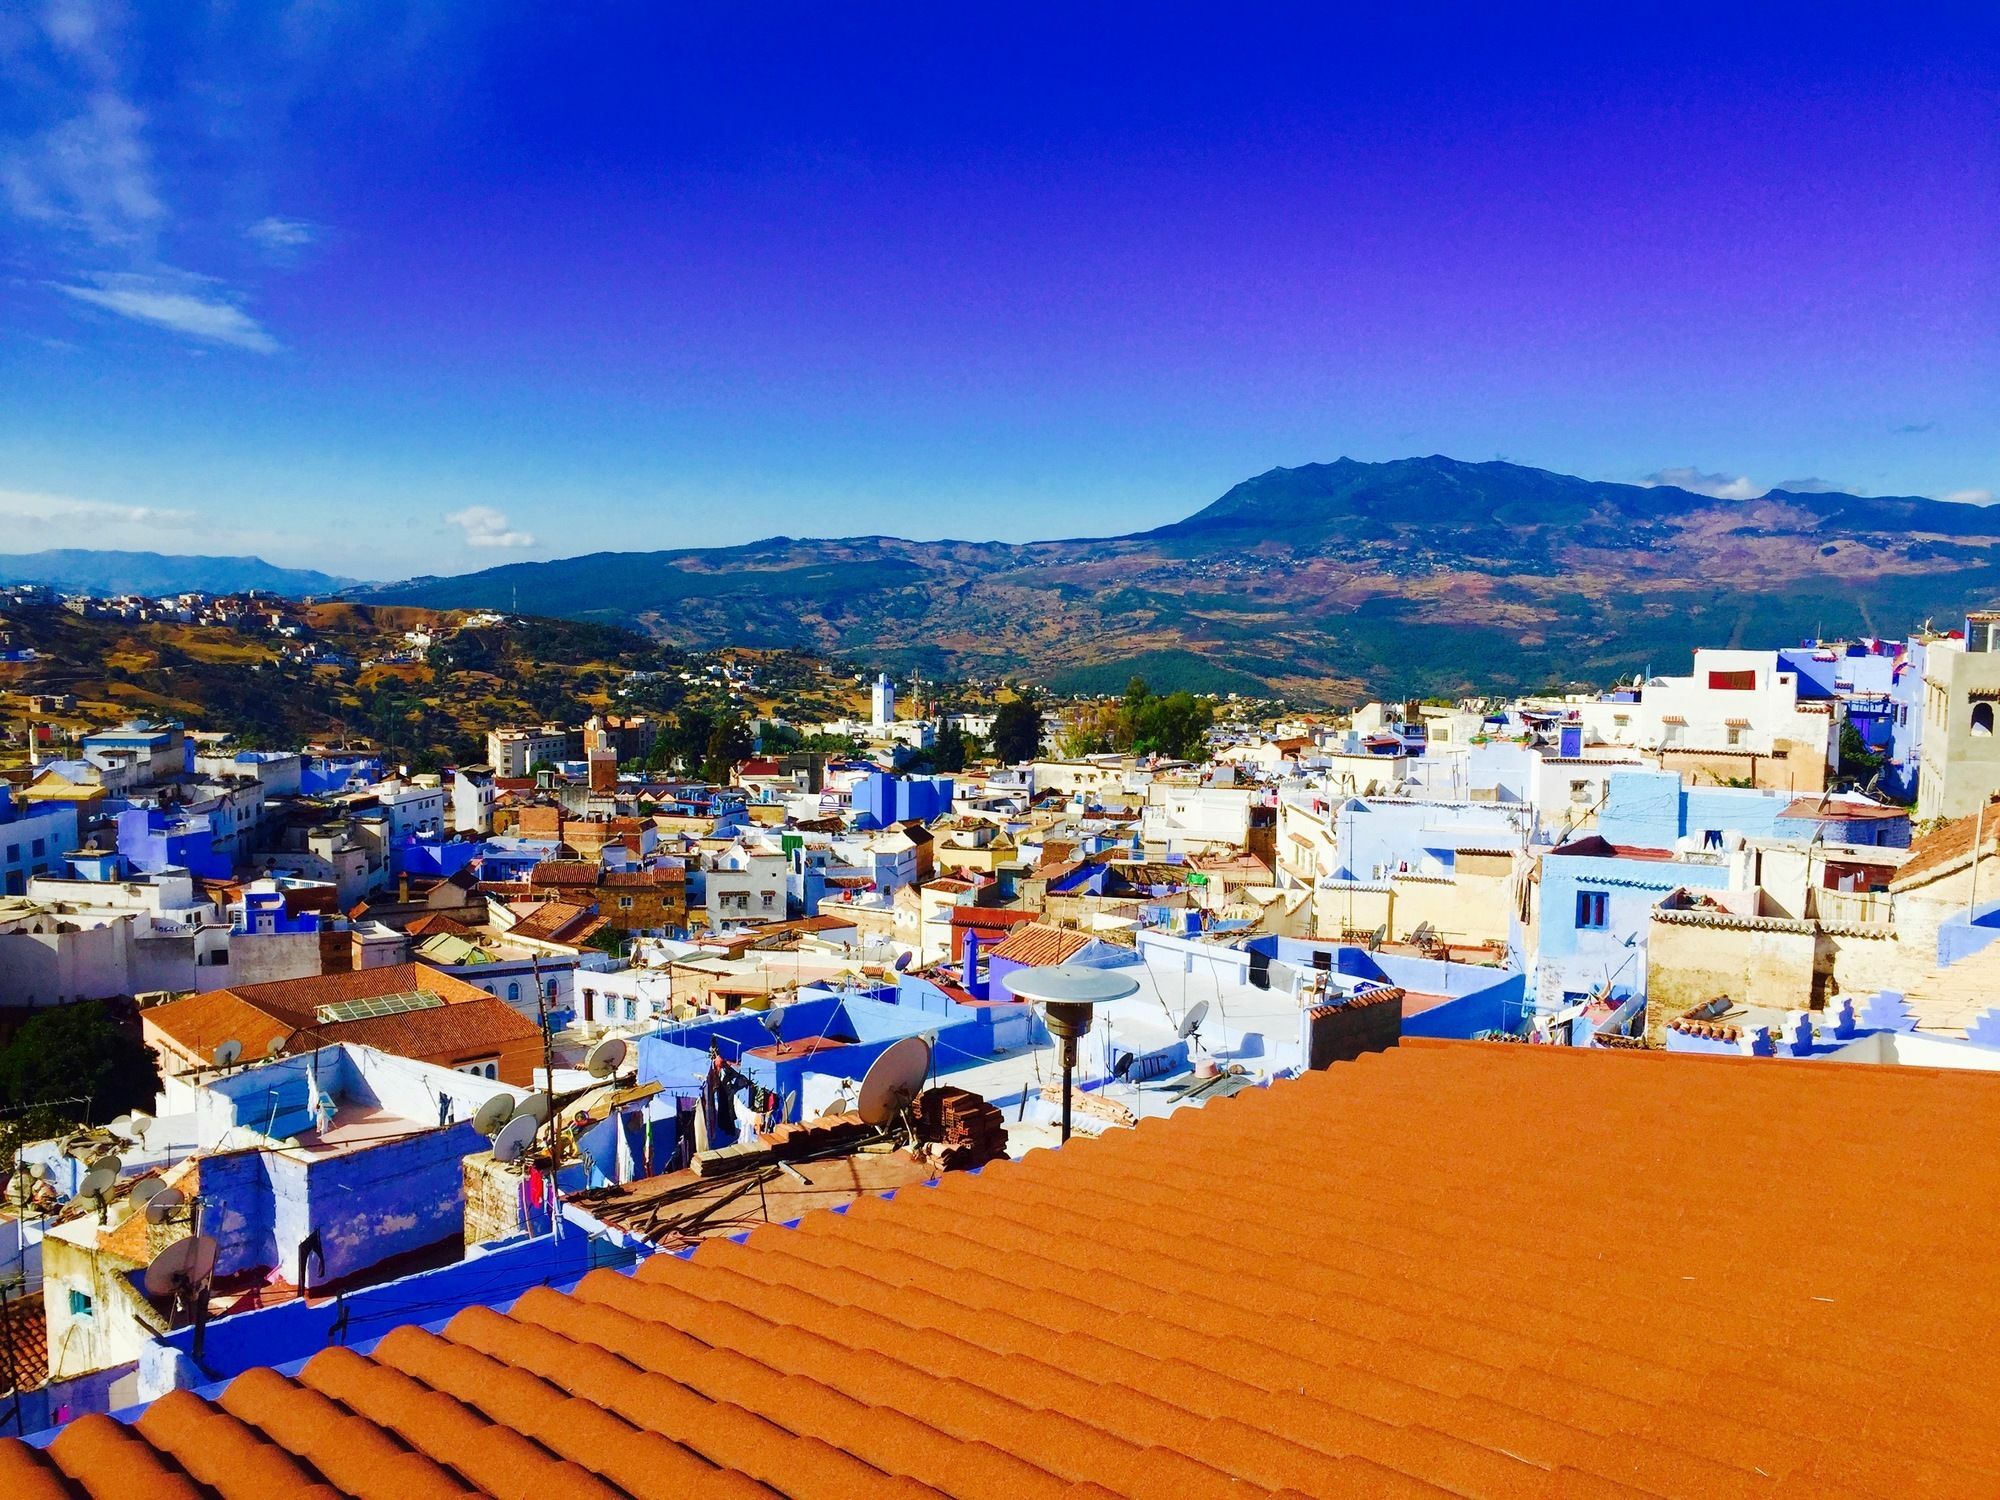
(96, 1186)
(493, 1114)
(893, 1081)
(515, 1138)
(607, 1057)
(181, 1274)
(228, 1052)
(1070, 995)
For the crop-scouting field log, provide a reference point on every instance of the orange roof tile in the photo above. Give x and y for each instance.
(1035, 943)
(1441, 1307)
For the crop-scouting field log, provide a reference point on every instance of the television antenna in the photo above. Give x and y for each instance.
(515, 1138)
(161, 1203)
(96, 1186)
(493, 1114)
(227, 1054)
(181, 1274)
(607, 1057)
(893, 1081)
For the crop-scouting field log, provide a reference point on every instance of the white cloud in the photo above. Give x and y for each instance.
(1810, 486)
(1720, 486)
(486, 527)
(283, 234)
(91, 173)
(1970, 497)
(183, 304)
(65, 520)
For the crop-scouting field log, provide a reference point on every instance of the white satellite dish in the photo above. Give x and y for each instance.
(607, 1057)
(139, 1125)
(161, 1203)
(145, 1190)
(494, 1113)
(109, 1161)
(182, 1269)
(534, 1107)
(515, 1138)
(894, 1081)
(120, 1125)
(227, 1053)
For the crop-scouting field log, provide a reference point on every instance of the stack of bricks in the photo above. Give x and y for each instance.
(806, 1137)
(963, 1129)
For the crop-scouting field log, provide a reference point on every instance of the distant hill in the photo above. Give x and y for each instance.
(82, 571)
(1327, 582)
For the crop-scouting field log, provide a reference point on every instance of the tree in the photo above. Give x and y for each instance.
(1094, 728)
(1017, 731)
(71, 1051)
(949, 754)
(728, 743)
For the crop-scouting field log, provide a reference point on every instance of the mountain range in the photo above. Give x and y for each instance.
(78, 570)
(1324, 582)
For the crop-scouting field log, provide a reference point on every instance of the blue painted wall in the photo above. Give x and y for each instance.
(1578, 961)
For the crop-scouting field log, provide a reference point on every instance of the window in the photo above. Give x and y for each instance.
(624, 903)
(1735, 734)
(1982, 719)
(513, 990)
(13, 854)
(1579, 791)
(40, 847)
(1592, 910)
(80, 1305)
(768, 898)
(1732, 682)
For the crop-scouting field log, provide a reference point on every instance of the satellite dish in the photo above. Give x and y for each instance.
(493, 1114)
(139, 1125)
(109, 1161)
(903, 962)
(607, 1057)
(276, 1045)
(145, 1190)
(228, 1053)
(535, 1107)
(838, 1105)
(1123, 1067)
(773, 1021)
(515, 1138)
(182, 1268)
(161, 1203)
(97, 1182)
(121, 1125)
(895, 1080)
(1191, 1022)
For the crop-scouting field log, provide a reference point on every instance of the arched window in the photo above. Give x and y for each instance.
(513, 990)
(1982, 719)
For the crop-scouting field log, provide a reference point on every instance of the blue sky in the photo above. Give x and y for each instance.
(390, 289)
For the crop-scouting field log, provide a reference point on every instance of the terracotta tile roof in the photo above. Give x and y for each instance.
(432, 923)
(1375, 1324)
(258, 1014)
(1947, 846)
(24, 1338)
(1037, 943)
(565, 872)
(1840, 810)
(559, 922)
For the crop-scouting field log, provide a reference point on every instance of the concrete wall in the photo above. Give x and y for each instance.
(1762, 963)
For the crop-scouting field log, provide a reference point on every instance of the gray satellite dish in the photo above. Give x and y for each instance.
(535, 1107)
(514, 1140)
(120, 1125)
(182, 1269)
(773, 1021)
(838, 1105)
(275, 1046)
(109, 1161)
(493, 1114)
(145, 1190)
(895, 1080)
(228, 1053)
(97, 1182)
(139, 1125)
(607, 1057)
(161, 1204)
(1191, 1022)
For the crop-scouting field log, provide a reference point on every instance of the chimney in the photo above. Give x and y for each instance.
(403, 888)
(969, 976)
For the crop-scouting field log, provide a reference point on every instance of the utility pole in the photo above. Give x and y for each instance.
(548, 1066)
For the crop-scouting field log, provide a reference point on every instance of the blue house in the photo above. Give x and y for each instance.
(1597, 900)
(152, 839)
(883, 799)
(1656, 810)
(34, 840)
